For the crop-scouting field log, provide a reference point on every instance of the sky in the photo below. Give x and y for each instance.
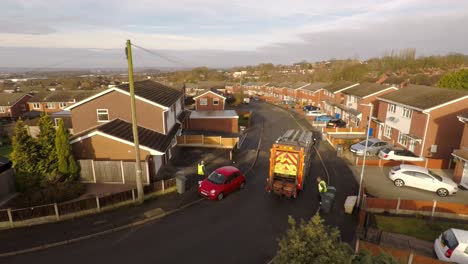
(216, 33)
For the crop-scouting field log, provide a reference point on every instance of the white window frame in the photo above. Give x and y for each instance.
(407, 113)
(62, 105)
(2, 109)
(412, 145)
(391, 108)
(388, 131)
(402, 139)
(102, 112)
(203, 101)
(36, 106)
(215, 101)
(56, 121)
(50, 105)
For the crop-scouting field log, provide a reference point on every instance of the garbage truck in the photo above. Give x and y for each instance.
(289, 162)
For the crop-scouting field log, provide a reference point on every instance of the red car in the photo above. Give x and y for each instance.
(221, 182)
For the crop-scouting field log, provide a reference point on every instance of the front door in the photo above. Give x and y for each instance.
(464, 180)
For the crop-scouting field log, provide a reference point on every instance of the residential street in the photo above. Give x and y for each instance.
(242, 228)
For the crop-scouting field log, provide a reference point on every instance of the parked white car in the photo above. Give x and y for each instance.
(422, 178)
(398, 154)
(314, 113)
(374, 145)
(452, 246)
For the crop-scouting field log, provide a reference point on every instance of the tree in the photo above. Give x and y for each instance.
(47, 164)
(455, 80)
(67, 165)
(312, 242)
(24, 157)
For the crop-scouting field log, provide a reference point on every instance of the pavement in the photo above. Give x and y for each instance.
(242, 228)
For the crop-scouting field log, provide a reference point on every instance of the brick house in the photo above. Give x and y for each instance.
(332, 95)
(461, 154)
(357, 100)
(310, 94)
(102, 124)
(57, 101)
(209, 100)
(13, 105)
(422, 119)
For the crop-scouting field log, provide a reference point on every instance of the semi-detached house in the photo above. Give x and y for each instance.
(422, 119)
(332, 95)
(461, 154)
(103, 125)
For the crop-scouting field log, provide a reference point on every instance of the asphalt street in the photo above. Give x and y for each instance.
(242, 228)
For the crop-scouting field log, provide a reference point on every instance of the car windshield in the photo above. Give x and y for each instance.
(216, 178)
(386, 150)
(369, 143)
(450, 240)
(435, 176)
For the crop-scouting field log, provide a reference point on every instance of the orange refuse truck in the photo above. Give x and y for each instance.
(289, 162)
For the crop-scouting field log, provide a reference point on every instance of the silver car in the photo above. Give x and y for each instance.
(374, 145)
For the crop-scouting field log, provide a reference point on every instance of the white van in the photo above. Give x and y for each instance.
(452, 246)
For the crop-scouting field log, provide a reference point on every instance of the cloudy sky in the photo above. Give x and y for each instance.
(216, 33)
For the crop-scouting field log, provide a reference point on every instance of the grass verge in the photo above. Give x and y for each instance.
(5, 151)
(424, 229)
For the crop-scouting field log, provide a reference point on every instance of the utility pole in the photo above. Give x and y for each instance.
(358, 203)
(131, 84)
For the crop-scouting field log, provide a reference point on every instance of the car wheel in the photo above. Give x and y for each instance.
(242, 186)
(442, 192)
(220, 196)
(399, 183)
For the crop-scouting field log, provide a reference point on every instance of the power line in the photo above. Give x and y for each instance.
(157, 54)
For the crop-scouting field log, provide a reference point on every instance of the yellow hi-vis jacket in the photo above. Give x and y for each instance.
(201, 169)
(322, 186)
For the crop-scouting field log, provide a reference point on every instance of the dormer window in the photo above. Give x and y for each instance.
(62, 105)
(102, 115)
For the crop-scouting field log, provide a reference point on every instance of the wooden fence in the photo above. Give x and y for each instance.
(207, 141)
(111, 171)
(412, 207)
(66, 210)
(402, 256)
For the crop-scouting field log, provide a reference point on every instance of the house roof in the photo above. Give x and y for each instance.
(314, 86)
(155, 92)
(122, 130)
(365, 89)
(214, 114)
(10, 99)
(212, 92)
(423, 97)
(339, 85)
(63, 96)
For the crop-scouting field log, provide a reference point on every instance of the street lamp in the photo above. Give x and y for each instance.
(365, 153)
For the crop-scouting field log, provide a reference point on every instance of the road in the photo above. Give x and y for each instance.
(242, 228)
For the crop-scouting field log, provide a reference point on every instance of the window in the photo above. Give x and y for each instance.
(2, 109)
(355, 100)
(50, 106)
(36, 106)
(62, 105)
(402, 139)
(388, 132)
(407, 112)
(203, 101)
(391, 108)
(215, 101)
(56, 121)
(102, 115)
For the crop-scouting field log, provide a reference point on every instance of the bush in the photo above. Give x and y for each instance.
(55, 193)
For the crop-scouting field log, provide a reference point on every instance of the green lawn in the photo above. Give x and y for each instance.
(5, 151)
(415, 227)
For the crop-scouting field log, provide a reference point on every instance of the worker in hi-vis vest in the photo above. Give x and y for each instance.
(322, 188)
(201, 168)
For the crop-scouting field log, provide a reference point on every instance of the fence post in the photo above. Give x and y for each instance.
(98, 206)
(123, 171)
(410, 258)
(434, 205)
(94, 171)
(162, 185)
(133, 194)
(10, 217)
(56, 211)
(398, 205)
